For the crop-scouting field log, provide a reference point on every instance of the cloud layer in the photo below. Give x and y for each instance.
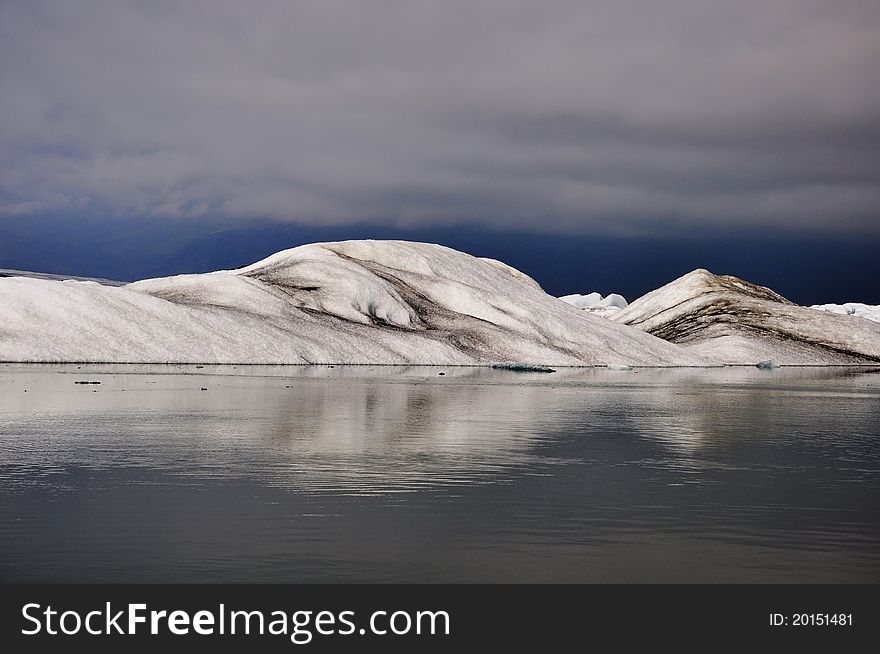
(612, 115)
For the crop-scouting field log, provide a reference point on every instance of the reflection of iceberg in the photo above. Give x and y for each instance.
(690, 410)
(358, 431)
(377, 430)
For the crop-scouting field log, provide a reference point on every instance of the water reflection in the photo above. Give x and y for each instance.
(404, 474)
(354, 434)
(378, 430)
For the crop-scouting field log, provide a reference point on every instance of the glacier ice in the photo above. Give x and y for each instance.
(867, 311)
(596, 304)
(732, 321)
(399, 302)
(352, 302)
(582, 301)
(614, 300)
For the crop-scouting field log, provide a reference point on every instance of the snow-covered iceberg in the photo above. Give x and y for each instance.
(596, 304)
(8, 272)
(358, 302)
(582, 301)
(614, 301)
(868, 311)
(729, 320)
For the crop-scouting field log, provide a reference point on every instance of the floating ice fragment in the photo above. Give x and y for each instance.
(516, 366)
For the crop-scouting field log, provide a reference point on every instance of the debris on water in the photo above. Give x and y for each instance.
(86, 382)
(517, 366)
(768, 364)
(204, 389)
(440, 374)
(197, 367)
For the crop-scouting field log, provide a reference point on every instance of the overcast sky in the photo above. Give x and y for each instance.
(631, 116)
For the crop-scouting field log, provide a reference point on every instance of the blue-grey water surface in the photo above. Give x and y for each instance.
(313, 474)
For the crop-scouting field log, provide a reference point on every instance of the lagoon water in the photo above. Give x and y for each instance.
(316, 474)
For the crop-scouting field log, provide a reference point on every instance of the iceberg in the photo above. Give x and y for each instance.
(732, 321)
(582, 301)
(596, 304)
(7, 272)
(857, 309)
(400, 302)
(613, 300)
(351, 302)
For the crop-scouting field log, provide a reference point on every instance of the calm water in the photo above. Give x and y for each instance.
(400, 474)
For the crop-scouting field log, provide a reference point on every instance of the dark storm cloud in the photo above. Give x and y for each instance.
(613, 115)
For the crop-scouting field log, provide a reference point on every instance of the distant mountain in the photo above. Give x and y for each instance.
(364, 302)
(730, 320)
